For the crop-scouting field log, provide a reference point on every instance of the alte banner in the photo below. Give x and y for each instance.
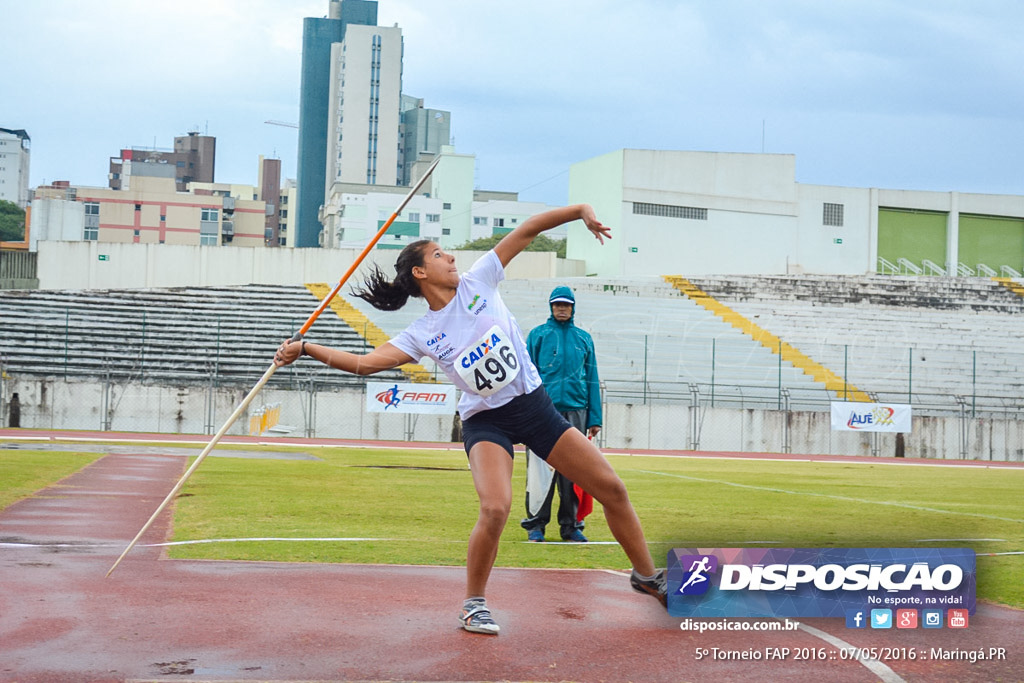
(870, 417)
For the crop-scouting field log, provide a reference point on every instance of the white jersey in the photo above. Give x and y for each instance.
(476, 341)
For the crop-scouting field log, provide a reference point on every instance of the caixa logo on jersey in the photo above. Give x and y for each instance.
(816, 582)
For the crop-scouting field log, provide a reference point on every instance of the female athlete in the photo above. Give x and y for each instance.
(474, 338)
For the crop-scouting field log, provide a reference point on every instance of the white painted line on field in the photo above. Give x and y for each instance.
(570, 542)
(1015, 552)
(267, 538)
(831, 460)
(833, 497)
(954, 540)
(876, 667)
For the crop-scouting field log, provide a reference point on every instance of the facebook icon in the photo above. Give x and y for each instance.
(856, 618)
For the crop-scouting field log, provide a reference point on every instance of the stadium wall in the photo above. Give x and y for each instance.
(341, 414)
(106, 265)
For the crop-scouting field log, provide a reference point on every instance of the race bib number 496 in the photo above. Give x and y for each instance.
(490, 364)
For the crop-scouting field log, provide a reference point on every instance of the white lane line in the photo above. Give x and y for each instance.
(833, 497)
(876, 667)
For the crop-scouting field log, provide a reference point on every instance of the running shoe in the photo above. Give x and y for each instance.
(575, 537)
(476, 618)
(535, 536)
(655, 586)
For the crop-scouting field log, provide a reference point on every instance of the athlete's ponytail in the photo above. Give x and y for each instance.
(386, 295)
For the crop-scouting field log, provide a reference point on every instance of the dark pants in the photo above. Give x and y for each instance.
(568, 503)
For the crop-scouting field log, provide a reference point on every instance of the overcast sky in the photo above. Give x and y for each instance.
(911, 94)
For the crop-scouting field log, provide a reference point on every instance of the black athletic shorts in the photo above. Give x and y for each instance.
(529, 419)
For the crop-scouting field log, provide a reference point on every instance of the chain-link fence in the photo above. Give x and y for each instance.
(661, 391)
(663, 420)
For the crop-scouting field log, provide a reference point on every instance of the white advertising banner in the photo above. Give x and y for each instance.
(403, 397)
(870, 417)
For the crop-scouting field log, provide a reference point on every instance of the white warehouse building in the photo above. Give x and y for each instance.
(726, 213)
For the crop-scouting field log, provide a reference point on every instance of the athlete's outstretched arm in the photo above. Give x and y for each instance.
(384, 357)
(517, 240)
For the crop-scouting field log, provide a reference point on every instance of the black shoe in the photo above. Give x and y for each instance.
(655, 586)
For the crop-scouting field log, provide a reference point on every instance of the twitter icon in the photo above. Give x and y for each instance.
(881, 618)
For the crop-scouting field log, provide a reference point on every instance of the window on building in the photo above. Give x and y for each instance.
(208, 240)
(446, 231)
(832, 214)
(499, 222)
(433, 218)
(209, 215)
(92, 208)
(91, 234)
(414, 216)
(479, 220)
(447, 205)
(670, 211)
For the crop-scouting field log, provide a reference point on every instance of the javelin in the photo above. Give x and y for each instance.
(273, 367)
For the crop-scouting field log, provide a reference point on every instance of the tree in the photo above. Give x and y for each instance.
(539, 243)
(12, 222)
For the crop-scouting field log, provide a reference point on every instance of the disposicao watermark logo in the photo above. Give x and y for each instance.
(818, 582)
(696, 580)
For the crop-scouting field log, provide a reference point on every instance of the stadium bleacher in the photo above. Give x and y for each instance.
(941, 341)
(221, 336)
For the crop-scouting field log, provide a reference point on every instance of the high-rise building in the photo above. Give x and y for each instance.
(270, 193)
(365, 107)
(15, 154)
(192, 160)
(318, 35)
(355, 125)
(422, 130)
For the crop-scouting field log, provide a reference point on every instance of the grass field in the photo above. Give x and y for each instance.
(23, 472)
(422, 505)
(426, 514)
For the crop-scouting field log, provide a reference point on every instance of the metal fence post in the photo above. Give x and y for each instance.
(694, 417)
(645, 369)
(67, 332)
(780, 376)
(311, 412)
(713, 339)
(910, 375)
(964, 428)
(787, 446)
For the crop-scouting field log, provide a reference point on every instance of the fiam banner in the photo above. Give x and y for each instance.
(391, 397)
(819, 582)
(870, 417)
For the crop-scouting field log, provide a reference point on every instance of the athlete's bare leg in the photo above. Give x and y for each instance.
(578, 459)
(492, 475)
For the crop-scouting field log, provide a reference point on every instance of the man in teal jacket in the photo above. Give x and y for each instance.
(564, 356)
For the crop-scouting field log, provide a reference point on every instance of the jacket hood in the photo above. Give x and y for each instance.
(563, 294)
